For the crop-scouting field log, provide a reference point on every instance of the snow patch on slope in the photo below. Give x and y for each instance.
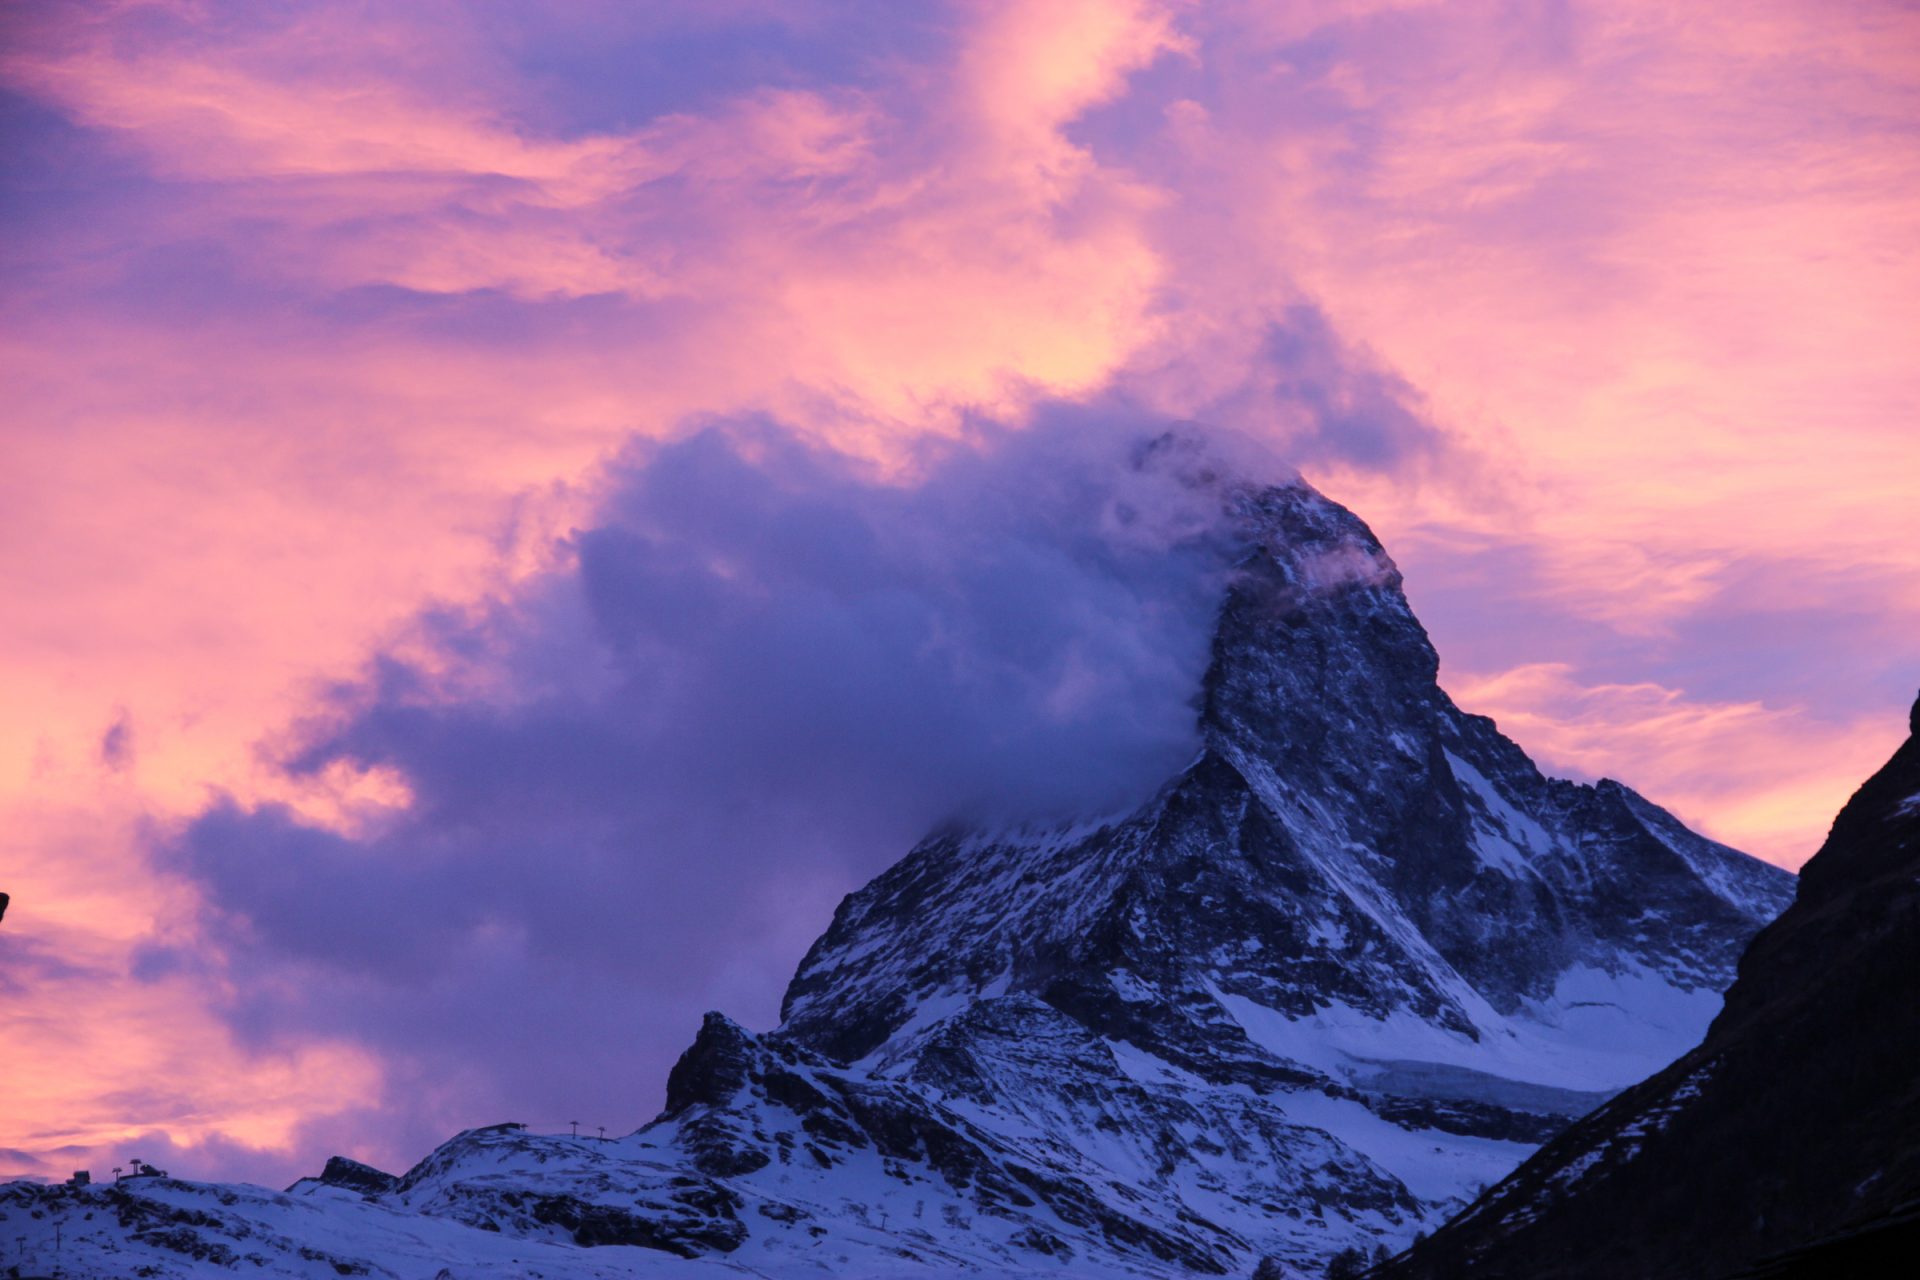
(1599, 1031)
(1441, 1168)
(1504, 837)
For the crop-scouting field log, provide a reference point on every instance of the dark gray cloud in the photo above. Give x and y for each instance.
(116, 744)
(1346, 409)
(1329, 405)
(641, 783)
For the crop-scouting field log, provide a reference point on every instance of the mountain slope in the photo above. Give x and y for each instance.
(1355, 961)
(1788, 1141)
(1348, 846)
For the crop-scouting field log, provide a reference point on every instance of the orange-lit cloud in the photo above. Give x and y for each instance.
(104, 1061)
(1715, 764)
(1651, 261)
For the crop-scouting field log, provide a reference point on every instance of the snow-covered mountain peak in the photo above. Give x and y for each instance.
(1346, 836)
(1356, 959)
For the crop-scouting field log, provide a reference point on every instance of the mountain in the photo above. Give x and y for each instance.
(1788, 1141)
(1355, 961)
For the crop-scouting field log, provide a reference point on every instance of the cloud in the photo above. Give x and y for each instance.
(1332, 405)
(854, 235)
(635, 787)
(104, 1052)
(1716, 764)
(116, 744)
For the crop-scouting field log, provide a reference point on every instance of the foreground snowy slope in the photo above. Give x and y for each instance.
(1357, 960)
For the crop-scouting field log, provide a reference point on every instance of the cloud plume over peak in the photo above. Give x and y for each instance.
(634, 789)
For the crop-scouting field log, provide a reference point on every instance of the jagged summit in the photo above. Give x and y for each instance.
(1355, 960)
(1346, 837)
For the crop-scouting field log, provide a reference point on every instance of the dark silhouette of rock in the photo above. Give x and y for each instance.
(1788, 1142)
(5, 898)
(1348, 1264)
(350, 1175)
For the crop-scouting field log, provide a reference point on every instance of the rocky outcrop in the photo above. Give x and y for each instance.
(348, 1175)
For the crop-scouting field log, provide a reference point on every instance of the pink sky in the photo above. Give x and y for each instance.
(319, 315)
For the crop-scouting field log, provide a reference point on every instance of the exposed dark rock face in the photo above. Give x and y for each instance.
(1788, 1141)
(713, 1069)
(1882, 1246)
(349, 1175)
